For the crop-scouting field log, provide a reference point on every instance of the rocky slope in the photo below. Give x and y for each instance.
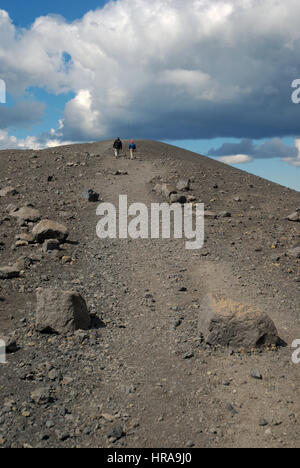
(142, 375)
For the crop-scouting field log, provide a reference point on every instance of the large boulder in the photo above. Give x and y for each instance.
(227, 323)
(41, 395)
(8, 192)
(177, 198)
(295, 217)
(26, 213)
(47, 229)
(8, 272)
(24, 236)
(10, 343)
(183, 185)
(60, 312)
(25, 262)
(90, 195)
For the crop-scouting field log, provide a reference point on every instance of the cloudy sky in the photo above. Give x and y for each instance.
(214, 76)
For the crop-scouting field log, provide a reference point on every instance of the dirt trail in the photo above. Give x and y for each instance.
(148, 354)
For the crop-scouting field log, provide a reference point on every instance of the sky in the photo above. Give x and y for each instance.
(212, 76)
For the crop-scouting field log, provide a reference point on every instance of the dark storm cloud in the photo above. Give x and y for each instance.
(23, 114)
(273, 148)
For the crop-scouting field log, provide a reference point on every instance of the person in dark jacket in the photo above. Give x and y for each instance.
(132, 149)
(118, 147)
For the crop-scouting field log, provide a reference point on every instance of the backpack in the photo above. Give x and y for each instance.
(117, 144)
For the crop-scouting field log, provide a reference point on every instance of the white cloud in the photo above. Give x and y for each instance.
(9, 142)
(236, 159)
(79, 114)
(296, 160)
(31, 142)
(163, 69)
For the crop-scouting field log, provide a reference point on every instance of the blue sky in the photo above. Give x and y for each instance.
(24, 13)
(214, 78)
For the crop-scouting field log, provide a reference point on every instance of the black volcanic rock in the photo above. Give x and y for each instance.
(227, 323)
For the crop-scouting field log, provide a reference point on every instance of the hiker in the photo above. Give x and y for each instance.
(117, 147)
(132, 149)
